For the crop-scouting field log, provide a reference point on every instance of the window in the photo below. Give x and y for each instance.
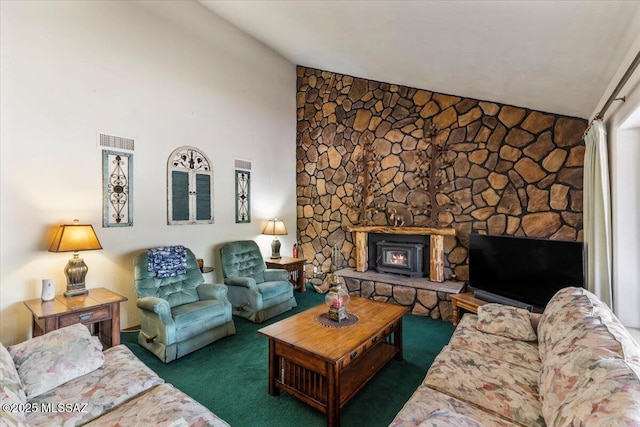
(243, 201)
(243, 190)
(189, 187)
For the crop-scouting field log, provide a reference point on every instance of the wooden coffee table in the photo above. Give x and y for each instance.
(326, 366)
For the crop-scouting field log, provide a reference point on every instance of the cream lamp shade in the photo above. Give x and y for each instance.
(275, 227)
(74, 238)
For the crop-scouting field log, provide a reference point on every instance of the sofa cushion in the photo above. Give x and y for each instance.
(562, 368)
(507, 390)
(52, 359)
(557, 320)
(449, 419)
(11, 388)
(517, 352)
(122, 377)
(607, 394)
(270, 290)
(12, 419)
(194, 312)
(425, 401)
(163, 405)
(198, 319)
(558, 376)
(506, 321)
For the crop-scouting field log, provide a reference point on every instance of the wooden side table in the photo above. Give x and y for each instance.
(295, 267)
(100, 307)
(465, 301)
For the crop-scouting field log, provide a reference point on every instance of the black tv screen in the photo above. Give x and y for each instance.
(525, 269)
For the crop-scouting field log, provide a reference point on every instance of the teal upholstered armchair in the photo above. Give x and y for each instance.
(180, 313)
(256, 293)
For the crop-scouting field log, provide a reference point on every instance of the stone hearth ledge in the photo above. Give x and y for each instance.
(422, 296)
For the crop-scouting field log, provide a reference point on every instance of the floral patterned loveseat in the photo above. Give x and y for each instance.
(64, 378)
(575, 365)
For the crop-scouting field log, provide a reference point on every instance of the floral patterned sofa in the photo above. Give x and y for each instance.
(64, 378)
(574, 365)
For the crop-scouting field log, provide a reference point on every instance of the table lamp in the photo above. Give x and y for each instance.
(74, 238)
(275, 227)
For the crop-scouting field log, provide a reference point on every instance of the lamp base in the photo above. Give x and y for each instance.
(275, 249)
(76, 292)
(76, 270)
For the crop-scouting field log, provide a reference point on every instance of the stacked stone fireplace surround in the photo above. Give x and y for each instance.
(510, 171)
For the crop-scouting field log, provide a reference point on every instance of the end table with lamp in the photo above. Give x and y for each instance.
(295, 267)
(99, 307)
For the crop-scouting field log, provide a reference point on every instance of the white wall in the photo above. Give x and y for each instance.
(167, 74)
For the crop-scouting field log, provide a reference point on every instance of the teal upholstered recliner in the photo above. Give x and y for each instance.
(256, 293)
(180, 314)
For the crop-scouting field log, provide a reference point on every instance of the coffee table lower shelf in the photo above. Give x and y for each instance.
(324, 385)
(313, 381)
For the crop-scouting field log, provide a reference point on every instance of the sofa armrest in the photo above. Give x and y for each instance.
(247, 282)
(212, 291)
(157, 306)
(274, 274)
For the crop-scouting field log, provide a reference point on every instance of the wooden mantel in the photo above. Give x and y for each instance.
(436, 245)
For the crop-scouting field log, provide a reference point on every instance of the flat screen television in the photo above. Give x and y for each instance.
(525, 269)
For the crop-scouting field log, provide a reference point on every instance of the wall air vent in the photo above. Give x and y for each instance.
(241, 164)
(118, 142)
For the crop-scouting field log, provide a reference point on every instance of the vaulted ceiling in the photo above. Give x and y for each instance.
(555, 56)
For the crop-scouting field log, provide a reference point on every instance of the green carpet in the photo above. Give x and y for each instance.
(230, 376)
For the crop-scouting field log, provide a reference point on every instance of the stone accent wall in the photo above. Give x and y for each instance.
(509, 171)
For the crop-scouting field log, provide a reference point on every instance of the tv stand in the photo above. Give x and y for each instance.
(466, 301)
(491, 297)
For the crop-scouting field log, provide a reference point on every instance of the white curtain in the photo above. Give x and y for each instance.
(597, 214)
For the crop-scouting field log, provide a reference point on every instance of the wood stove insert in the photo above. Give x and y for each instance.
(400, 258)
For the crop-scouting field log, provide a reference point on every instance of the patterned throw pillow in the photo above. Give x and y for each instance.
(506, 321)
(52, 359)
